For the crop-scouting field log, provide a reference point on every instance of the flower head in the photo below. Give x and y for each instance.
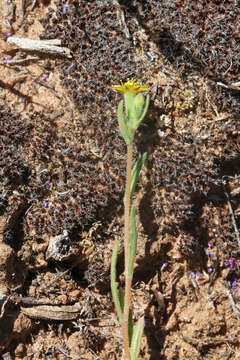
(6, 59)
(234, 284)
(164, 265)
(130, 86)
(232, 262)
(46, 204)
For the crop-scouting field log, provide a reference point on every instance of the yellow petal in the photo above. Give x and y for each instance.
(130, 86)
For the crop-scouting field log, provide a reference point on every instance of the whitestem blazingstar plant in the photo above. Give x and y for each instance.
(131, 112)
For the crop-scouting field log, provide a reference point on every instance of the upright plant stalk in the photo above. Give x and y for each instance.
(128, 277)
(131, 111)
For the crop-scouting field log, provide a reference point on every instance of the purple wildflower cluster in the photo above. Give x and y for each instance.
(6, 59)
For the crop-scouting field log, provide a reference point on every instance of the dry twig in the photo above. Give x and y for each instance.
(43, 46)
(234, 307)
(52, 312)
(22, 61)
(233, 218)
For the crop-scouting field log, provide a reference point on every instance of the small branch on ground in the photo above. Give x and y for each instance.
(51, 47)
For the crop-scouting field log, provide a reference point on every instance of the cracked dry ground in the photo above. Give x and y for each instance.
(62, 169)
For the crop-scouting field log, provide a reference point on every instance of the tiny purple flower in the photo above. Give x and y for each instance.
(48, 186)
(64, 5)
(9, 34)
(232, 262)
(208, 253)
(210, 245)
(44, 78)
(46, 204)
(164, 265)
(6, 59)
(195, 275)
(210, 270)
(234, 284)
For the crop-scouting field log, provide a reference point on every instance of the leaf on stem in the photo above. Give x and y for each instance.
(136, 339)
(114, 284)
(130, 326)
(123, 124)
(140, 119)
(135, 173)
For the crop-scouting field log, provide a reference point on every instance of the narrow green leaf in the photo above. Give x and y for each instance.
(139, 104)
(130, 326)
(121, 297)
(129, 105)
(114, 284)
(140, 119)
(136, 339)
(135, 173)
(123, 123)
(133, 242)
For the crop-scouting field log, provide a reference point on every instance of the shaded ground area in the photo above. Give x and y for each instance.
(62, 170)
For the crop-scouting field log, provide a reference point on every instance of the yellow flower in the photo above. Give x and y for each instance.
(130, 86)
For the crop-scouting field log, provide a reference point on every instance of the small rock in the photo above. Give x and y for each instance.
(59, 248)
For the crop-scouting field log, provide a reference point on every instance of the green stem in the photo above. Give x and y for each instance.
(128, 277)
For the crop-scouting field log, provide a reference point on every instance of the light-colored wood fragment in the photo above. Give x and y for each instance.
(52, 312)
(22, 61)
(42, 46)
